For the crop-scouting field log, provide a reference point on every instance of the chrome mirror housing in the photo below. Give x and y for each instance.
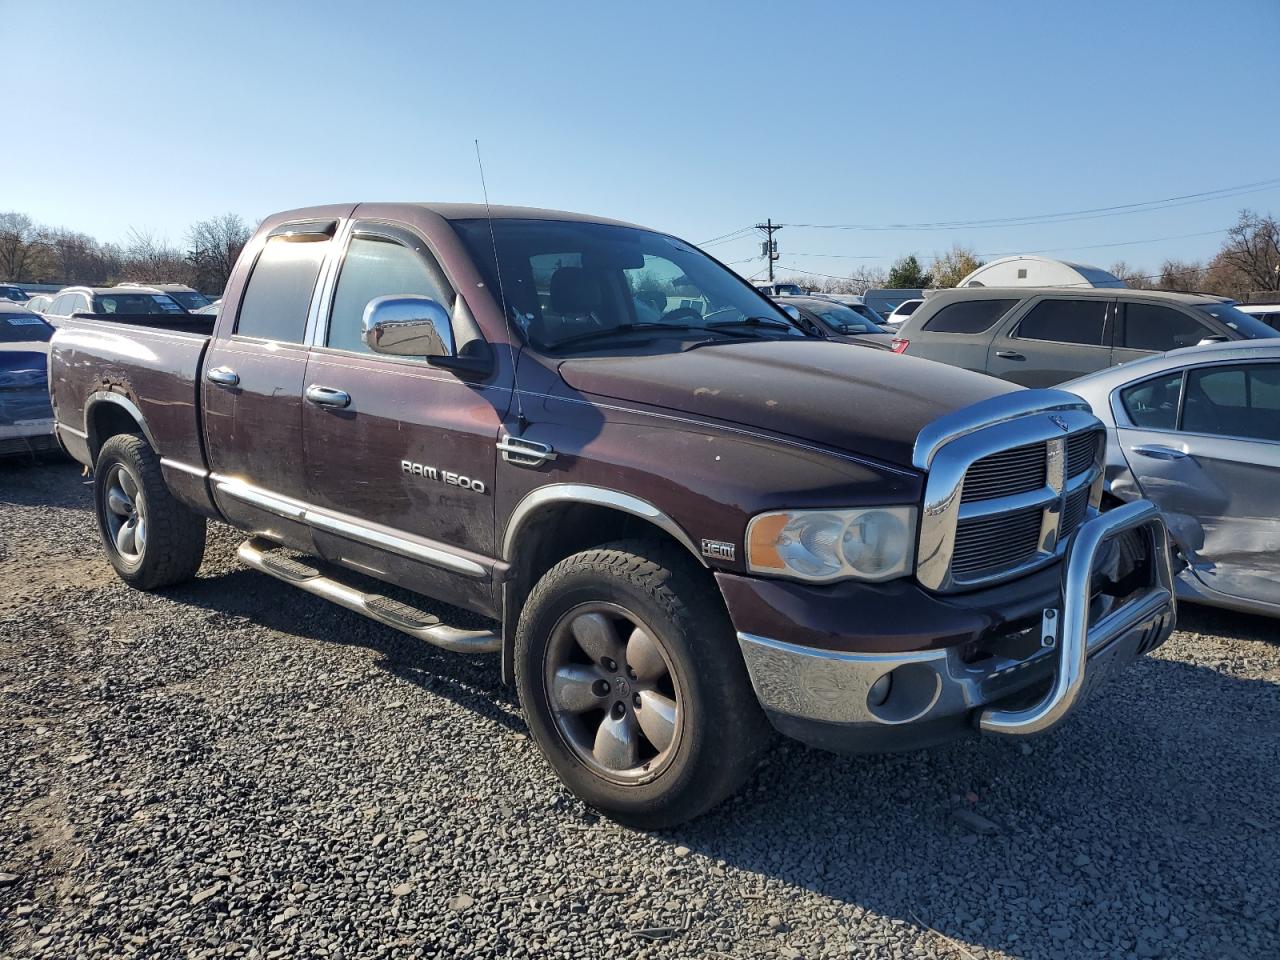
(408, 325)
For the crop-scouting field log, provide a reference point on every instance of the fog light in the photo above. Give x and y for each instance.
(879, 691)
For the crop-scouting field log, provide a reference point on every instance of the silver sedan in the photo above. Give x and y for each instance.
(1198, 431)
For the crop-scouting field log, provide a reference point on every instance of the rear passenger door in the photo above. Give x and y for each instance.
(1204, 445)
(958, 333)
(1146, 328)
(252, 390)
(1053, 340)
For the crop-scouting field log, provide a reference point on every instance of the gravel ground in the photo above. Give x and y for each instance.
(237, 769)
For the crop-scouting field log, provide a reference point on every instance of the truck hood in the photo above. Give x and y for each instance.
(865, 402)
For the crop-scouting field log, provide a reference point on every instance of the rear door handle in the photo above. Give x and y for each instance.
(1010, 355)
(222, 376)
(1157, 452)
(328, 396)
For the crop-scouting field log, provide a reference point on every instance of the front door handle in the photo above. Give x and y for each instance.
(1157, 452)
(328, 396)
(223, 377)
(1009, 355)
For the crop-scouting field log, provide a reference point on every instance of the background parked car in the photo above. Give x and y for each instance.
(1268, 313)
(39, 303)
(1041, 337)
(110, 301)
(857, 305)
(781, 289)
(188, 297)
(903, 310)
(884, 300)
(15, 294)
(836, 321)
(26, 418)
(1197, 431)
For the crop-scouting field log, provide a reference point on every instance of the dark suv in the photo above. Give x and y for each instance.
(1041, 336)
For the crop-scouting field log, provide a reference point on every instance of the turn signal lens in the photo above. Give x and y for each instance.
(877, 543)
(899, 345)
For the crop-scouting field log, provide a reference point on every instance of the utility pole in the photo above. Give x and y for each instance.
(769, 246)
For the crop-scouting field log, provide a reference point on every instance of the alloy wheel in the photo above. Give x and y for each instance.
(125, 514)
(613, 692)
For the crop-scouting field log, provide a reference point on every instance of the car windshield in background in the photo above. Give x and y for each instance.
(23, 327)
(844, 319)
(16, 294)
(583, 286)
(1247, 325)
(189, 299)
(135, 303)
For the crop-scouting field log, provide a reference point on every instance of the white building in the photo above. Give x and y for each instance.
(1032, 271)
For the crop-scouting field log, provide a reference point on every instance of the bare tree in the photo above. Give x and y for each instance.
(148, 259)
(1132, 276)
(1251, 253)
(18, 246)
(75, 257)
(1181, 275)
(213, 247)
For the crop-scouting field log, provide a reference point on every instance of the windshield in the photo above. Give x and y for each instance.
(843, 319)
(1250, 327)
(596, 283)
(136, 303)
(190, 299)
(862, 310)
(16, 294)
(21, 327)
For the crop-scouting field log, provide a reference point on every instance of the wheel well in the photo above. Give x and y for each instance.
(560, 530)
(105, 421)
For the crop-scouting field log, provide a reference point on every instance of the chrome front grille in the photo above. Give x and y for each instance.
(1009, 471)
(994, 543)
(1002, 498)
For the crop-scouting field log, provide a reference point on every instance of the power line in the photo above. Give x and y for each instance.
(725, 238)
(1065, 216)
(1014, 253)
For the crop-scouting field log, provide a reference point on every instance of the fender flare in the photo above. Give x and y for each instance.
(119, 400)
(599, 496)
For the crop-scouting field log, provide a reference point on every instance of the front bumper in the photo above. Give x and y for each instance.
(838, 698)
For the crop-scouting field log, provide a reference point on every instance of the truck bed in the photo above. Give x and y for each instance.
(201, 324)
(146, 362)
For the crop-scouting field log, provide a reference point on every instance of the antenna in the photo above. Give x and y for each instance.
(521, 420)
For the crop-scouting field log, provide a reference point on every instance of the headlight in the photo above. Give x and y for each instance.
(876, 543)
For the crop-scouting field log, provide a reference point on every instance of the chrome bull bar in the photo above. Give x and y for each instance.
(1068, 628)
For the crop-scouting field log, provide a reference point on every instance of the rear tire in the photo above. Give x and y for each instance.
(151, 539)
(634, 687)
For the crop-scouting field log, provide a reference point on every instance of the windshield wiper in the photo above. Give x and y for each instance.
(620, 328)
(752, 322)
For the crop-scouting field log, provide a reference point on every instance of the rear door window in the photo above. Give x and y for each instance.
(1153, 404)
(968, 316)
(1066, 321)
(278, 296)
(1234, 401)
(1150, 326)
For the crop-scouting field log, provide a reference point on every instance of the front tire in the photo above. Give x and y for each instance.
(633, 684)
(151, 539)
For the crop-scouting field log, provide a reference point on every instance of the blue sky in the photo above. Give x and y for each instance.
(696, 118)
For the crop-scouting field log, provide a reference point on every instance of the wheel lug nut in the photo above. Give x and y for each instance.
(635, 699)
(619, 710)
(631, 673)
(610, 664)
(601, 688)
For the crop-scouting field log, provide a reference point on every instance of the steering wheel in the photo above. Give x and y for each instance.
(680, 313)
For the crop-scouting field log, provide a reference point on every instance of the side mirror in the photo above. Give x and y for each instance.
(790, 311)
(408, 326)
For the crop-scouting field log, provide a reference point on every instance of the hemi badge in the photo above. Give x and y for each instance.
(718, 550)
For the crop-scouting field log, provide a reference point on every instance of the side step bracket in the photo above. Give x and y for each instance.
(265, 556)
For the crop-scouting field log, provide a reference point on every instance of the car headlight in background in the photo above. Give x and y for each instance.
(873, 543)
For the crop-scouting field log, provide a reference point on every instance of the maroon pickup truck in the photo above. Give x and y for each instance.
(688, 521)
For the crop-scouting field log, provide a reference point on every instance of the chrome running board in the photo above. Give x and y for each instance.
(264, 556)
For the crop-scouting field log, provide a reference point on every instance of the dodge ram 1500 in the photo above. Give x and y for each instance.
(687, 521)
